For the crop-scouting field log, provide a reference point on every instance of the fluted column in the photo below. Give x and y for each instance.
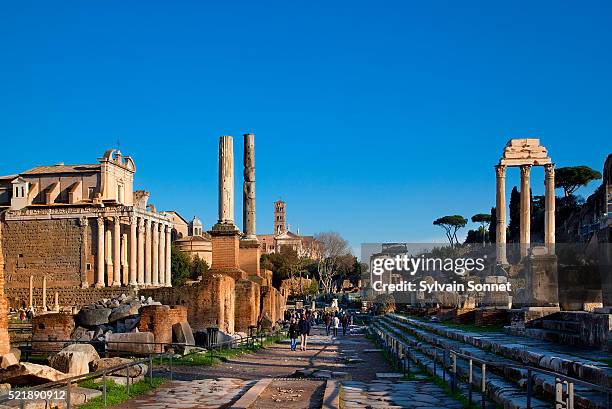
(525, 227)
(549, 210)
(168, 256)
(155, 254)
(108, 251)
(141, 251)
(248, 203)
(500, 211)
(133, 246)
(148, 246)
(226, 180)
(116, 252)
(100, 255)
(162, 255)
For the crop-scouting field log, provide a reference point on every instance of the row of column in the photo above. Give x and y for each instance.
(141, 258)
(525, 207)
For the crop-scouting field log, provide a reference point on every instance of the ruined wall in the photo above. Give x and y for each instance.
(159, 320)
(211, 302)
(55, 248)
(225, 252)
(51, 327)
(247, 305)
(249, 258)
(5, 344)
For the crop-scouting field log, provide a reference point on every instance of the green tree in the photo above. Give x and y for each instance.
(199, 267)
(484, 219)
(451, 224)
(515, 215)
(492, 226)
(572, 177)
(181, 266)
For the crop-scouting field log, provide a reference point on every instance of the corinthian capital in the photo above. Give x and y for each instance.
(525, 170)
(549, 170)
(500, 171)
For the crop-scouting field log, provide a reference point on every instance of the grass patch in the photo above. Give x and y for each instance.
(116, 394)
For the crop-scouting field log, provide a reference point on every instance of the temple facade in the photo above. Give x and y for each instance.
(83, 226)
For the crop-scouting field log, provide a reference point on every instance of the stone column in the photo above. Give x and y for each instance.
(44, 293)
(108, 252)
(549, 212)
(133, 255)
(155, 254)
(116, 252)
(84, 223)
(168, 256)
(56, 304)
(31, 291)
(141, 252)
(100, 255)
(525, 227)
(162, 254)
(248, 204)
(125, 279)
(226, 180)
(500, 210)
(148, 245)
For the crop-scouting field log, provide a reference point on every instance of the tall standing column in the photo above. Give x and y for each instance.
(525, 228)
(168, 256)
(100, 255)
(116, 252)
(133, 246)
(31, 291)
(141, 251)
(226, 180)
(162, 254)
(248, 205)
(147, 245)
(549, 209)
(500, 211)
(125, 261)
(155, 254)
(44, 293)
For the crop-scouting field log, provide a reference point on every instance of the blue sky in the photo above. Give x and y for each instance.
(372, 118)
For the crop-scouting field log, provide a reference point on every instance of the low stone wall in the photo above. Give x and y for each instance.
(51, 327)
(159, 320)
(78, 297)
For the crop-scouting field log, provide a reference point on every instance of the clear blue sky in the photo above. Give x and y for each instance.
(372, 118)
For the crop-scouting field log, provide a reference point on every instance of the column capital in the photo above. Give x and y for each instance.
(168, 228)
(101, 221)
(133, 219)
(141, 224)
(525, 170)
(500, 171)
(549, 169)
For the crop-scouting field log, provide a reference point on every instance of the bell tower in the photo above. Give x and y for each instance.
(280, 217)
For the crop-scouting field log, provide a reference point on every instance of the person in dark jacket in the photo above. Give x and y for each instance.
(304, 327)
(293, 334)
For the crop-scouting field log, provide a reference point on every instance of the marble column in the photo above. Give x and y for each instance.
(100, 255)
(248, 206)
(147, 245)
(226, 180)
(31, 291)
(133, 255)
(162, 255)
(549, 207)
(525, 200)
(168, 280)
(124, 260)
(155, 254)
(116, 252)
(141, 251)
(44, 293)
(500, 211)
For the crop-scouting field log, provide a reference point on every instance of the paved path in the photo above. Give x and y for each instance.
(222, 385)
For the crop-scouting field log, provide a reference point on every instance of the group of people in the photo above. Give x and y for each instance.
(26, 314)
(301, 323)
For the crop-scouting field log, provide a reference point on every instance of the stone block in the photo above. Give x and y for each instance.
(134, 371)
(137, 343)
(92, 318)
(27, 374)
(183, 333)
(70, 362)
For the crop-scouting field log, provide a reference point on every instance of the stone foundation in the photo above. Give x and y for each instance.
(247, 305)
(159, 320)
(51, 327)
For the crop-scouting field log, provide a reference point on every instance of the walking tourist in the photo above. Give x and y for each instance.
(336, 325)
(293, 334)
(328, 323)
(344, 322)
(304, 327)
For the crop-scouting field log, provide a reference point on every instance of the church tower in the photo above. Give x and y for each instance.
(280, 217)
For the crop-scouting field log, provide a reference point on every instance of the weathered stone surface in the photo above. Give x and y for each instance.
(106, 363)
(124, 311)
(30, 374)
(70, 362)
(82, 334)
(183, 333)
(7, 360)
(91, 318)
(132, 342)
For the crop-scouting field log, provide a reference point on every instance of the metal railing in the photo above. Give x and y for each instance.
(564, 397)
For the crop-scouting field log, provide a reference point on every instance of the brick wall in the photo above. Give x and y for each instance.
(159, 320)
(225, 252)
(51, 327)
(5, 344)
(55, 248)
(211, 302)
(249, 258)
(247, 305)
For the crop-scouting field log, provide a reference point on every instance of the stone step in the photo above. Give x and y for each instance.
(501, 392)
(556, 336)
(556, 325)
(585, 398)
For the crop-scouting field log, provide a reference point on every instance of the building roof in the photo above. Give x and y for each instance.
(177, 214)
(192, 238)
(45, 170)
(8, 177)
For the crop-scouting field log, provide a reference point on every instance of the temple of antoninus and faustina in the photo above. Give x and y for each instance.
(80, 226)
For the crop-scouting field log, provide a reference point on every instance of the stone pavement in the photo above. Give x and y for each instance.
(222, 385)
